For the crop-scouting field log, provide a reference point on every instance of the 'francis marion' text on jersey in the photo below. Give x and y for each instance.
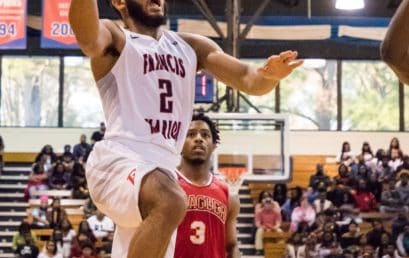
(148, 95)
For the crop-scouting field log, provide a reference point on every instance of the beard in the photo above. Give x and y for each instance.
(139, 16)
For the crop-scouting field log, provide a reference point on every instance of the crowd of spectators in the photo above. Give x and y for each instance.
(325, 219)
(93, 236)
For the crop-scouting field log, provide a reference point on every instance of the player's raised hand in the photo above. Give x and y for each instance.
(280, 66)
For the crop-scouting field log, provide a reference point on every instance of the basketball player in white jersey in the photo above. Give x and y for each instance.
(395, 47)
(146, 76)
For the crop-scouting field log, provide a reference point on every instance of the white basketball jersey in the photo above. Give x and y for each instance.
(148, 96)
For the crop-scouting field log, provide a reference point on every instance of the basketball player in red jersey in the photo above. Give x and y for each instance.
(146, 77)
(395, 47)
(209, 227)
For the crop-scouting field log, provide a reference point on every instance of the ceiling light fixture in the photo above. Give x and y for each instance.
(349, 4)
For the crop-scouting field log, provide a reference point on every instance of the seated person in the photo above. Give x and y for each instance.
(292, 202)
(39, 215)
(364, 200)
(59, 179)
(352, 236)
(374, 236)
(37, 181)
(391, 200)
(268, 218)
(303, 213)
(50, 251)
(322, 204)
(27, 249)
(87, 250)
(100, 224)
(56, 214)
(23, 235)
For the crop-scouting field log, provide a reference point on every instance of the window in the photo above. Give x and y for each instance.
(370, 97)
(29, 94)
(82, 104)
(309, 96)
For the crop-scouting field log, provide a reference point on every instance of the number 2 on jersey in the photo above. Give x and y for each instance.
(166, 105)
(199, 236)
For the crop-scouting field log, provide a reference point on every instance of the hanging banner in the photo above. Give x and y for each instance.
(13, 15)
(57, 32)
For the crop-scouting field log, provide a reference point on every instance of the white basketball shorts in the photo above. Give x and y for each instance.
(114, 174)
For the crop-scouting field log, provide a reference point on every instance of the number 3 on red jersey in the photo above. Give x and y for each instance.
(199, 236)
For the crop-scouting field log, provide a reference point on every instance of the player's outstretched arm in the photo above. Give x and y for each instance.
(395, 47)
(237, 74)
(94, 36)
(232, 248)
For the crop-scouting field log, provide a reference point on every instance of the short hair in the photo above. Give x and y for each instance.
(210, 123)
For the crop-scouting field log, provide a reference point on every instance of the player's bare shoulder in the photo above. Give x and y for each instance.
(202, 45)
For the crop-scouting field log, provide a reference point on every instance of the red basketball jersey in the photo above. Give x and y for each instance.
(202, 234)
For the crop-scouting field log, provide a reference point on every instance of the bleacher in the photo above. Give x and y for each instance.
(303, 167)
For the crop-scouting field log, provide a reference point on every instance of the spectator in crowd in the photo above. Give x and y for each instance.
(268, 218)
(405, 164)
(37, 181)
(100, 224)
(23, 235)
(81, 149)
(68, 234)
(383, 170)
(1, 154)
(293, 243)
(85, 228)
(67, 158)
(46, 157)
(390, 252)
(322, 203)
(50, 251)
(351, 238)
(367, 153)
(27, 248)
(262, 195)
(39, 215)
(79, 182)
(59, 179)
(303, 213)
(375, 234)
(343, 177)
(319, 177)
(56, 214)
(87, 250)
(402, 241)
(346, 157)
(391, 200)
(293, 201)
(398, 224)
(394, 144)
(309, 249)
(385, 241)
(396, 160)
(89, 208)
(98, 135)
(328, 247)
(280, 193)
(402, 186)
(364, 200)
(77, 242)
